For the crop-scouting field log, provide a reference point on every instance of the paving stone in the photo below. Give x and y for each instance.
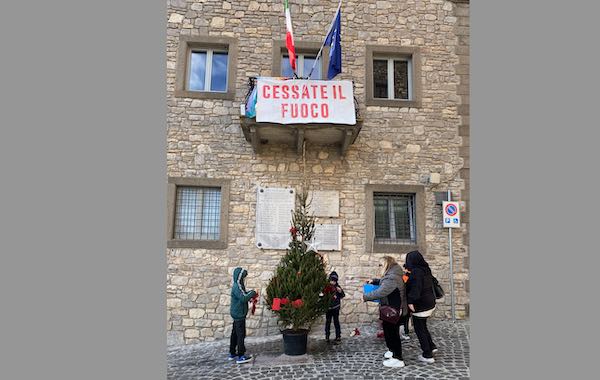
(359, 357)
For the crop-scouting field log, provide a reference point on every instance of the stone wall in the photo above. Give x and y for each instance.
(395, 146)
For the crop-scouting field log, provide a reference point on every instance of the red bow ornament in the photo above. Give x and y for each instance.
(276, 304)
(254, 301)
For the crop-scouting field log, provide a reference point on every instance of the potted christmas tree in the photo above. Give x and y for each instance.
(297, 293)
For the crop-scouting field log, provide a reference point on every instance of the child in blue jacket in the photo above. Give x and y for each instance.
(239, 309)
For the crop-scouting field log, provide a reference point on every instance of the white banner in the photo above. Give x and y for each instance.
(297, 101)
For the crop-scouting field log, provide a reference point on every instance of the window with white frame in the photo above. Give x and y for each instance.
(395, 218)
(392, 78)
(207, 70)
(304, 63)
(197, 213)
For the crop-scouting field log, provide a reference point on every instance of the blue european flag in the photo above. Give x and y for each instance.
(334, 41)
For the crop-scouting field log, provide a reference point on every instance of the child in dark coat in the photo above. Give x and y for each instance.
(334, 309)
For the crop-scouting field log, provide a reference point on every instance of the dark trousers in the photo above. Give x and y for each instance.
(420, 325)
(335, 315)
(391, 333)
(238, 334)
(405, 321)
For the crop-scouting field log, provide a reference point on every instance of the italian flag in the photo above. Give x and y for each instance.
(289, 36)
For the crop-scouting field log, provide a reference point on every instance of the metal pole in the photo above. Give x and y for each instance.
(451, 267)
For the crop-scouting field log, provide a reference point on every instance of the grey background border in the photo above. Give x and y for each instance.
(533, 197)
(83, 199)
(83, 159)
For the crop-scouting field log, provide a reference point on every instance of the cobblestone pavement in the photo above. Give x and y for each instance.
(358, 357)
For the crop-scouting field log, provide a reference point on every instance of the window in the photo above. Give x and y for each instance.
(395, 217)
(198, 213)
(304, 63)
(208, 70)
(306, 54)
(206, 67)
(393, 76)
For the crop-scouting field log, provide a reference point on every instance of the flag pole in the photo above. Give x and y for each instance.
(323, 45)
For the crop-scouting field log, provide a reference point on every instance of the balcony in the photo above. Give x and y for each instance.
(258, 134)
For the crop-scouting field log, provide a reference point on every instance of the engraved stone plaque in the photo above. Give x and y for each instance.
(274, 208)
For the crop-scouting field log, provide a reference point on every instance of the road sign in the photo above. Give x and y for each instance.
(451, 214)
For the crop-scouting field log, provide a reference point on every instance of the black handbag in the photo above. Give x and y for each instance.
(438, 292)
(389, 314)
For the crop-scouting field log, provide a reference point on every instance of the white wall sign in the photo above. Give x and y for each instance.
(451, 214)
(324, 203)
(300, 101)
(274, 208)
(328, 237)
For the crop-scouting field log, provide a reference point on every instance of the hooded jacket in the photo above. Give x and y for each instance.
(391, 290)
(239, 295)
(419, 288)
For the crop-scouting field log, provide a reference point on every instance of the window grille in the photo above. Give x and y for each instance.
(197, 213)
(395, 220)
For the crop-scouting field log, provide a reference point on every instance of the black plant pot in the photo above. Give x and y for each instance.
(295, 342)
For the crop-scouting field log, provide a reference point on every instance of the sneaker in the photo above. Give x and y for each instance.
(243, 359)
(388, 355)
(327, 340)
(434, 351)
(404, 337)
(338, 340)
(231, 357)
(393, 362)
(426, 360)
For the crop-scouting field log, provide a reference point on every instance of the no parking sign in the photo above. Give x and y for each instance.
(451, 214)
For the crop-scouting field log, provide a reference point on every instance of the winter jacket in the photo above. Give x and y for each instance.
(391, 290)
(336, 303)
(419, 288)
(239, 296)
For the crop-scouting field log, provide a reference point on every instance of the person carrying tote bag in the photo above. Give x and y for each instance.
(393, 307)
(421, 301)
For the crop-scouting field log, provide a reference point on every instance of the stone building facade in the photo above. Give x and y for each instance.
(402, 146)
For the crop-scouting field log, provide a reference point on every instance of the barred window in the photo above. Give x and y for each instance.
(197, 213)
(395, 218)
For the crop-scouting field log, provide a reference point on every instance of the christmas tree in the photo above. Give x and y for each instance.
(298, 293)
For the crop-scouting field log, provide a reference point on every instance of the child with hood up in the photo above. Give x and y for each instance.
(239, 309)
(334, 309)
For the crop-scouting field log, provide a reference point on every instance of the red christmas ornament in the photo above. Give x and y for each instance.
(293, 231)
(284, 301)
(276, 304)
(297, 303)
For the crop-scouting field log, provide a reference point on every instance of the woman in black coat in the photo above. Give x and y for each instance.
(421, 301)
